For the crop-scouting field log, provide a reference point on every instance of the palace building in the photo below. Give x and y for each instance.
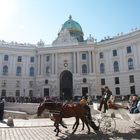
(71, 66)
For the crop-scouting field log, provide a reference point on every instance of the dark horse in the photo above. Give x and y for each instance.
(66, 111)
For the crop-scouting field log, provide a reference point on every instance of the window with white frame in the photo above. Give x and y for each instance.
(116, 66)
(17, 83)
(31, 72)
(114, 52)
(130, 64)
(84, 69)
(19, 59)
(47, 58)
(101, 55)
(117, 89)
(117, 81)
(18, 71)
(32, 59)
(47, 70)
(83, 56)
(6, 57)
(5, 70)
(131, 79)
(129, 50)
(17, 93)
(132, 89)
(103, 81)
(102, 68)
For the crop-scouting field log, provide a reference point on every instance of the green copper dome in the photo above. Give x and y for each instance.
(74, 29)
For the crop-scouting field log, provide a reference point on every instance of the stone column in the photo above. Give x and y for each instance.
(78, 63)
(74, 62)
(52, 63)
(42, 64)
(38, 65)
(94, 62)
(56, 65)
(89, 54)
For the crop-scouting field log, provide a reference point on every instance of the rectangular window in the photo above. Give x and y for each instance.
(47, 58)
(17, 93)
(3, 93)
(5, 57)
(131, 78)
(19, 59)
(83, 56)
(102, 81)
(117, 90)
(114, 52)
(101, 55)
(132, 89)
(117, 80)
(129, 49)
(32, 60)
(30, 93)
(17, 83)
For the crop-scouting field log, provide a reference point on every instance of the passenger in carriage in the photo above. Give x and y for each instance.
(112, 105)
(135, 105)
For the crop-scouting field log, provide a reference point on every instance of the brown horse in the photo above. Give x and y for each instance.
(66, 111)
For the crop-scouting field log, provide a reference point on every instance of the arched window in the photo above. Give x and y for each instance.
(130, 64)
(18, 72)
(84, 68)
(31, 73)
(47, 70)
(102, 68)
(5, 70)
(116, 66)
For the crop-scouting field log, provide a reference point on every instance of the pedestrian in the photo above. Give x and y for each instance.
(106, 96)
(1, 109)
(133, 107)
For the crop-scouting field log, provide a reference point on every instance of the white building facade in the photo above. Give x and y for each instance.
(71, 66)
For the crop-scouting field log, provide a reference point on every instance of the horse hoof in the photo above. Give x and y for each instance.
(88, 132)
(72, 133)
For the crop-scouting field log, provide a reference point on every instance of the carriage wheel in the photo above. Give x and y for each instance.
(107, 124)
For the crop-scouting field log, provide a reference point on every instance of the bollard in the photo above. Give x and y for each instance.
(10, 121)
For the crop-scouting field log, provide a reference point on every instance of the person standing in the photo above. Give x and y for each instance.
(106, 96)
(1, 109)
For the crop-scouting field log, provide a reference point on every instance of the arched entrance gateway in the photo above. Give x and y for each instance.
(66, 85)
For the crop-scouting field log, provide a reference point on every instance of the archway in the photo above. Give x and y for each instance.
(66, 85)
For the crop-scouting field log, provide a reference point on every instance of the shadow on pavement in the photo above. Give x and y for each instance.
(135, 134)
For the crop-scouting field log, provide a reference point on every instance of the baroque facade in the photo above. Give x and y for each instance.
(71, 66)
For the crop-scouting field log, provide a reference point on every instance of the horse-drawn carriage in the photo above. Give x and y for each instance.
(103, 122)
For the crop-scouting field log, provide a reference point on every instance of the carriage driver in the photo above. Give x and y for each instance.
(84, 102)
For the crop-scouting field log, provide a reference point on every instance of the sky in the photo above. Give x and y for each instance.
(31, 20)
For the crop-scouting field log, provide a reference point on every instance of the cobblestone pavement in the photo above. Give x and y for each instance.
(125, 130)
